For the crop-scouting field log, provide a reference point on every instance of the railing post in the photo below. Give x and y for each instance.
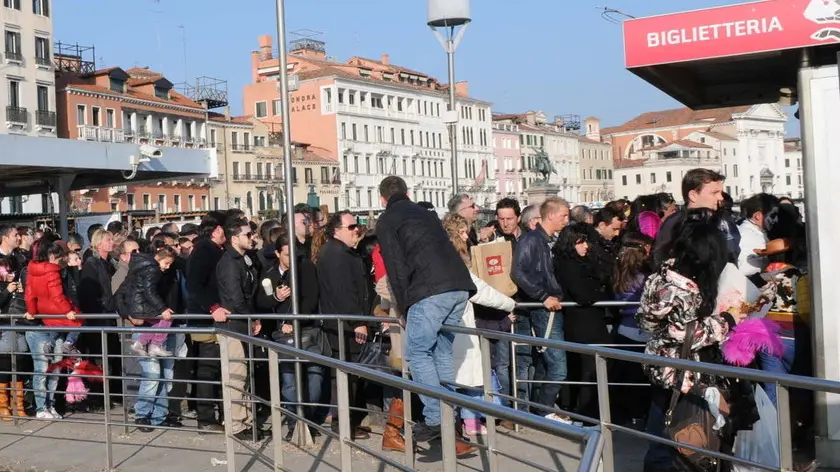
(276, 413)
(514, 374)
(10, 392)
(408, 428)
(604, 408)
(344, 427)
(448, 437)
(230, 447)
(252, 385)
(303, 437)
(487, 370)
(785, 441)
(106, 391)
(123, 383)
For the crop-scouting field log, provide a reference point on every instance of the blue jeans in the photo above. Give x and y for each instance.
(428, 349)
(315, 376)
(555, 359)
(474, 415)
(659, 456)
(151, 403)
(501, 368)
(43, 384)
(779, 366)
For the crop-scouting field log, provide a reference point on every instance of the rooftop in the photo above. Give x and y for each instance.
(677, 117)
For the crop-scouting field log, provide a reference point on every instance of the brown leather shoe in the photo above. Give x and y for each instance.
(508, 425)
(464, 447)
(392, 440)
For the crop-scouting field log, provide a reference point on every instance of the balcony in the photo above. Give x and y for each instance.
(43, 62)
(117, 190)
(98, 133)
(251, 178)
(45, 118)
(14, 56)
(240, 147)
(17, 115)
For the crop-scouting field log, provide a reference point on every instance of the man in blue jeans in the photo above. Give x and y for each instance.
(431, 285)
(533, 273)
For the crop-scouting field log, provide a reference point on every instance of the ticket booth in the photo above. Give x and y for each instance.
(774, 51)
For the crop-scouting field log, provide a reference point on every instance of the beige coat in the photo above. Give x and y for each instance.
(383, 289)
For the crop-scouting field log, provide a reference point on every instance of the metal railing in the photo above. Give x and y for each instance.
(17, 114)
(592, 443)
(598, 440)
(46, 118)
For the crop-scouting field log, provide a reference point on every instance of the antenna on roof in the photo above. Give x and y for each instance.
(184, 41)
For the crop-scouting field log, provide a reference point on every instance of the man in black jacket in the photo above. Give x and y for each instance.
(237, 283)
(203, 298)
(344, 290)
(533, 273)
(431, 285)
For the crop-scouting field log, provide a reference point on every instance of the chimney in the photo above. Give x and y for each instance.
(386, 59)
(592, 128)
(255, 67)
(227, 113)
(265, 47)
(462, 89)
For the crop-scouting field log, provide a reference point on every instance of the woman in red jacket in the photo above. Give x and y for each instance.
(45, 296)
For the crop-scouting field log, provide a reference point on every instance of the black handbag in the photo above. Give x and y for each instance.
(689, 421)
(312, 339)
(374, 353)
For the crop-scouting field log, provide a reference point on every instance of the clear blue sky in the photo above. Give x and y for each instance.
(558, 56)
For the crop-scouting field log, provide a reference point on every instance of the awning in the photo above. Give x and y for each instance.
(733, 55)
(30, 165)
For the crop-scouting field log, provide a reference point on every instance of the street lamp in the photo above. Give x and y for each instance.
(449, 15)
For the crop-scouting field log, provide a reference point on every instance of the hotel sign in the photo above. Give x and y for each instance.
(733, 30)
(305, 102)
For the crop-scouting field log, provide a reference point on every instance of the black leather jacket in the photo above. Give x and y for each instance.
(237, 283)
(143, 290)
(533, 267)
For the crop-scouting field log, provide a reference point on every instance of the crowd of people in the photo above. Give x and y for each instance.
(412, 265)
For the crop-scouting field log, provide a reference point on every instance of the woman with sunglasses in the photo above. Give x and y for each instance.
(583, 284)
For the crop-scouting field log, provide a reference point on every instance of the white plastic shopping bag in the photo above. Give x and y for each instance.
(761, 445)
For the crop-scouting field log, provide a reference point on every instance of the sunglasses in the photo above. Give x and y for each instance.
(353, 227)
(248, 234)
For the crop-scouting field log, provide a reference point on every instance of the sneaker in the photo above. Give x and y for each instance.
(69, 349)
(189, 414)
(44, 415)
(139, 348)
(425, 433)
(210, 428)
(246, 435)
(158, 351)
(55, 414)
(144, 425)
(474, 428)
(558, 418)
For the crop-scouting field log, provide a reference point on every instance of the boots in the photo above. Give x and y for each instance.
(392, 440)
(19, 396)
(4, 402)
(463, 446)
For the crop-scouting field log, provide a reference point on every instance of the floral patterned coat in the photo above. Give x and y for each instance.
(669, 303)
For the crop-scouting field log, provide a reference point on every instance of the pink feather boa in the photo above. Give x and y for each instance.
(751, 337)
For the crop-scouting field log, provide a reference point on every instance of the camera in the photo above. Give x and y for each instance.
(153, 152)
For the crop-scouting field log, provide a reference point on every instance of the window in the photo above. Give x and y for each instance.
(275, 107)
(117, 85)
(787, 162)
(14, 94)
(129, 199)
(42, 51)
(735, 170)
(204, 202)
(325, 175)
(12, 4)
(216, 202)
(402, 136)
(39, 7)
(354, 131)
(393, 137)
(356, 164)
(668, 176)
(147, 201)
(307, 176)
(162, 93)
(412, 137)
(213, 137)
(376, 101)
(235, 170)
(14, 52)
(343, 130)
(81, 115)
(652, 178)
(191, 200)
(43, 98)
(248, 170)
(367, 164)
(638, 178)
(367, 136)
(787, 179)
(260, 110)
(259, 141)
(259, 170)
(95, 115)
(176, 202)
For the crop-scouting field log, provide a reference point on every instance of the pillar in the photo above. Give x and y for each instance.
(63, 183)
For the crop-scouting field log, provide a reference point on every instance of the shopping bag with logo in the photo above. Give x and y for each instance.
(492, 263)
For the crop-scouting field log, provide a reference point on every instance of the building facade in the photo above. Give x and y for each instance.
(28, 103)
(793, 179)
(508, 160)
(596, 165)
(558, 139)
(376, 119)
(136, 106)
(745, 143)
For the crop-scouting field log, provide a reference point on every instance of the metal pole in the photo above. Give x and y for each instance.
(453, 127)
(783, 418)
(602, 379)
(448, 437)
(106, 390)
(290, 203)
(276, 413)
(487, 370)
(345, 435)
(230, 447)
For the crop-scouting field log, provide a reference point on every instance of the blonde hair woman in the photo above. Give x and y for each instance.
(466, 351)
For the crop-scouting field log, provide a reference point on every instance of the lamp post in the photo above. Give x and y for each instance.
(448, 15)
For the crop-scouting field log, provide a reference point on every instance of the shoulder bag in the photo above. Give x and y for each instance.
(689, 421)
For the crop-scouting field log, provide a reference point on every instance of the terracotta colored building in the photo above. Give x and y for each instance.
(135, 106)
(374, 118)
